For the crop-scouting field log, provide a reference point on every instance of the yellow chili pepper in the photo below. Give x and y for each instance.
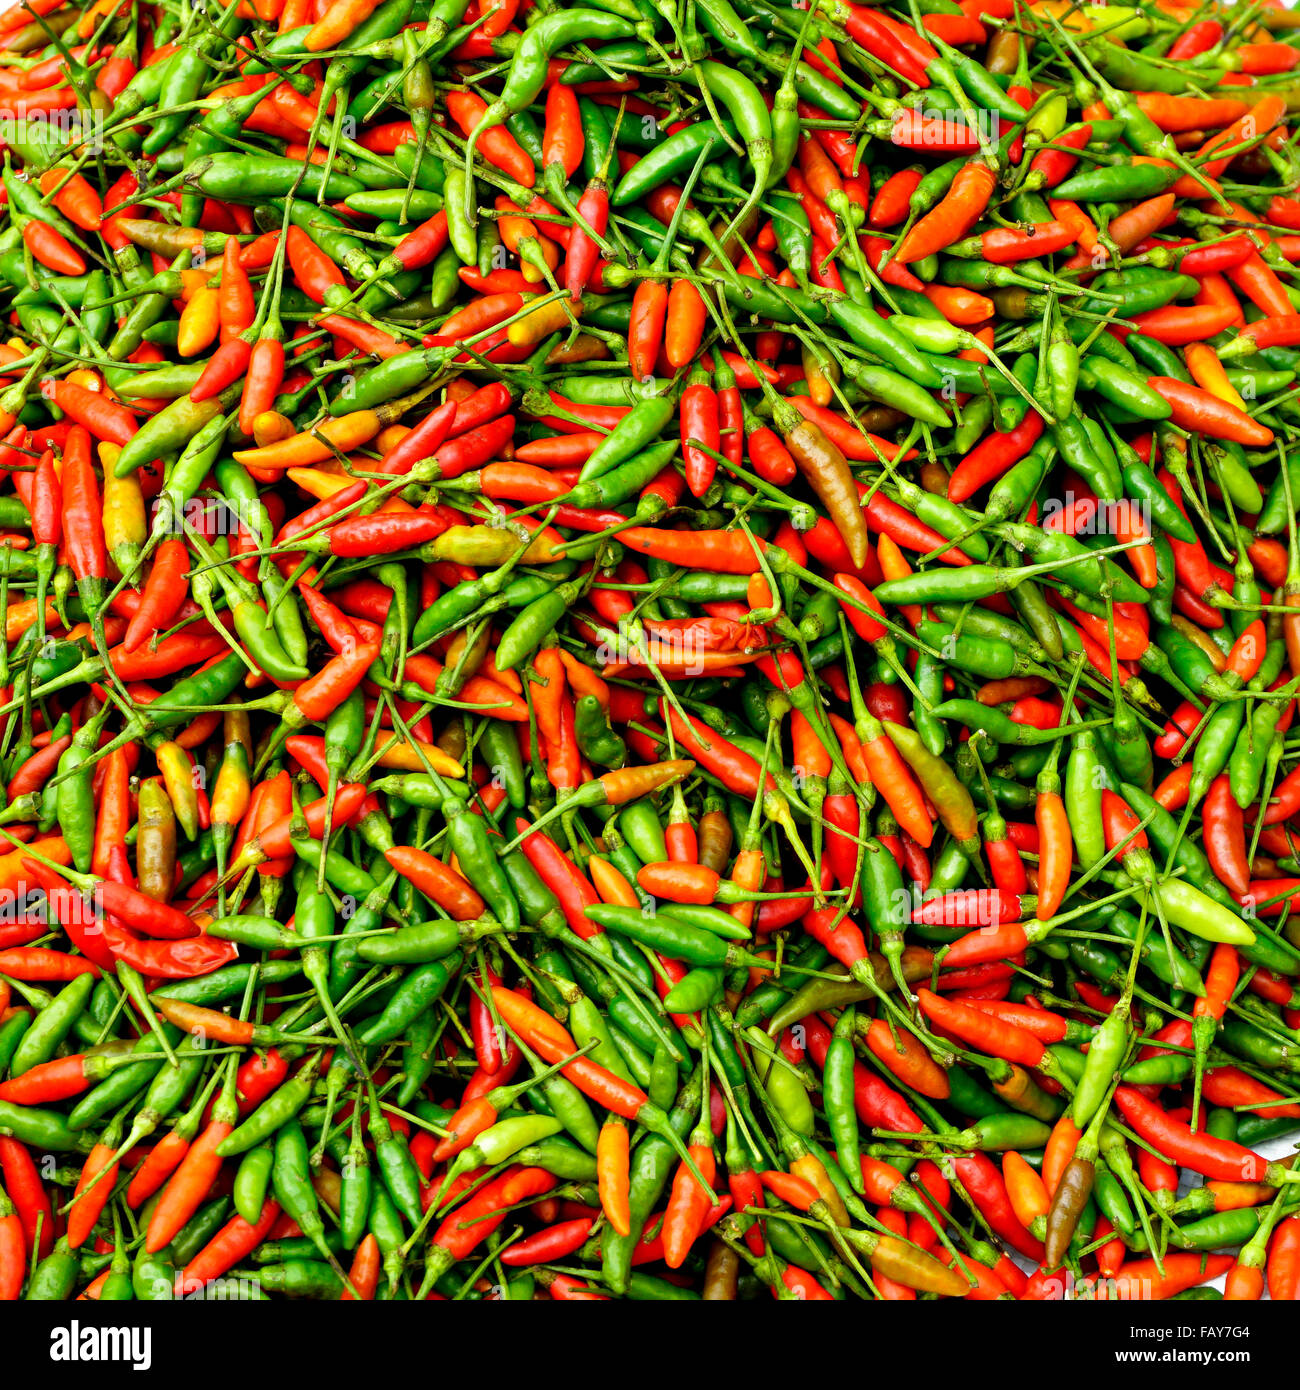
(178, 777)
(270, 427)
(321, 483)
(468, 661)
(126, 527)
(405, 756)
(232, 791)
(538, 324)
(155, 846)
(327, 439)
(810, 1169)
(820, 374)
(200, 322)
(1207, 372)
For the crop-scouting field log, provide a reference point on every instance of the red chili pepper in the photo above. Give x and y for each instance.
(896, 45)
(955, 215)
(1199, 1151)
(699, 422)
(993, 456)
(235, 1241)
(562, 877)
(980, 1177)
(497, 145)
(549, 1245)
(562, 139)
(1284, 1261)
(164, 592)
(83, 524)
(994, 1036)
(888, 518)
(22, 1181)
(878, 1104)
(47, 1082)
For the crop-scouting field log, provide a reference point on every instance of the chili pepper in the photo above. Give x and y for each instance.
(542, 663)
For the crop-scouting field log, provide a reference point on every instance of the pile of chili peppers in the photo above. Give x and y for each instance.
(649, 650)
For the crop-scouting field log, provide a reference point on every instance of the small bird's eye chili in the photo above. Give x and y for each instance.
(649, 651)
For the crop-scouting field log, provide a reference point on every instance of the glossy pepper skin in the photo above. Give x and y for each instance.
(607, 679)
